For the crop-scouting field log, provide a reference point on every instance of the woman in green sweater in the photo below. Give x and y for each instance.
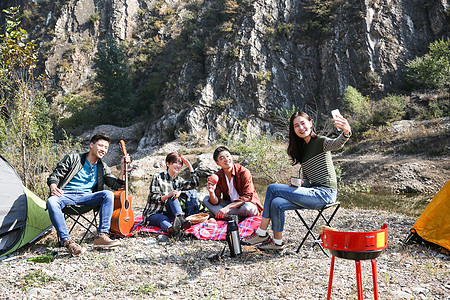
(313, 154)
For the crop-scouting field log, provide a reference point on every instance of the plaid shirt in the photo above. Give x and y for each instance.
(162, 185)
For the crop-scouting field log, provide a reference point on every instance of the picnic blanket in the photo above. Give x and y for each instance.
(208, 230)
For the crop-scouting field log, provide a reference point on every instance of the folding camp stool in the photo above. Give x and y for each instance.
(320, 213)
(79, 215)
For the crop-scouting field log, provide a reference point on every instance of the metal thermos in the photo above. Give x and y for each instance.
(234, 242)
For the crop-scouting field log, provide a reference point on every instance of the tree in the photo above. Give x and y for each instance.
(116, 106)
(25, 127)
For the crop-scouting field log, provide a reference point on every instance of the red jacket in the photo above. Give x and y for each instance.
(243, 183)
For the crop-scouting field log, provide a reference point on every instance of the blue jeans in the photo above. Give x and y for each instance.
(55, 205)
(282, 197)
(189, 202)
(164, 221)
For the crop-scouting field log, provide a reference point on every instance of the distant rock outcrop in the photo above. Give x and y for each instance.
(257, 57)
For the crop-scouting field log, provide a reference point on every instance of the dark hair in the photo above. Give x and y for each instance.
(100, 136)
(217, 152)
(296, 143)
(173, 157)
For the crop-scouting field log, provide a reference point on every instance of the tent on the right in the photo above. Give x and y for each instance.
(433, 225)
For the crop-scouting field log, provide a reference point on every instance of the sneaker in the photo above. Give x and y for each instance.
(102, 240)
(269, 244)
(176, 226)
(254, 239)
(179, 224)
(74, 248)
(186, 224)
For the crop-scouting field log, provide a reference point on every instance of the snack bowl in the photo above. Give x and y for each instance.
(198, 218)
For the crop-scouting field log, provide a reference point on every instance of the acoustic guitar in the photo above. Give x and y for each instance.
(122, 219)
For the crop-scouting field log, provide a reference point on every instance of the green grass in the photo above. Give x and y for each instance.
(36, 278)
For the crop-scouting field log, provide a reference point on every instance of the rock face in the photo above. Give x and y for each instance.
(259, 56)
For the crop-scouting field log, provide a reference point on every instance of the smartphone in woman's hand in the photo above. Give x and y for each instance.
(335, 113)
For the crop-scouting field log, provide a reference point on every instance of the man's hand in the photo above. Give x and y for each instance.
(222, 213)
(212, 182)
(210, 186)
(55, 191)
(123, 163)
(125, 160)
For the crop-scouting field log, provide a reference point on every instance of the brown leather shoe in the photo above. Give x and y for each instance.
(102, 240)
(74, 248)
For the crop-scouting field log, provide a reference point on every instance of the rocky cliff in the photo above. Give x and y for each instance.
(214, 60)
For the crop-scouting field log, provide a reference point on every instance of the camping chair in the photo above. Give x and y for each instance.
(79, 216)
(320, 214)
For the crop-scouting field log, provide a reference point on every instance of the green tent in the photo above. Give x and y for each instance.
(23, 217)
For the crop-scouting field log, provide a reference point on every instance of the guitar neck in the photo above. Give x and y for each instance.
(124, 151)
(126, 181)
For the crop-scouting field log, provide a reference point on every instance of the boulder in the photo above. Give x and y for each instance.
(206, 165)
(131, 135)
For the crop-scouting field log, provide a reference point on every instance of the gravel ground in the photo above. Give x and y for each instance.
(187, 269)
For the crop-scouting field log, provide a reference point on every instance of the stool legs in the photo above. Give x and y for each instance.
(330, 280)
(374, 277)
(320, 214)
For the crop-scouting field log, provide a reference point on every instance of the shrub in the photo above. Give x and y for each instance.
(263, 77)
(432, 70)
(81, 112)
(389, 109)
(281, 119)
(262, 153)
(358, 106)
(221, 104)
(320, 15)
(184, 137)
(94, 18)
(231, 7)
(226, 27)
(233, 52)
(435, 107)
(285, 28)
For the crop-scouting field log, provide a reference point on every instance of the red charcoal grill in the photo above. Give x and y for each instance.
(356, 246)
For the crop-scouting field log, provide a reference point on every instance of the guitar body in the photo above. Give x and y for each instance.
(122, 219)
